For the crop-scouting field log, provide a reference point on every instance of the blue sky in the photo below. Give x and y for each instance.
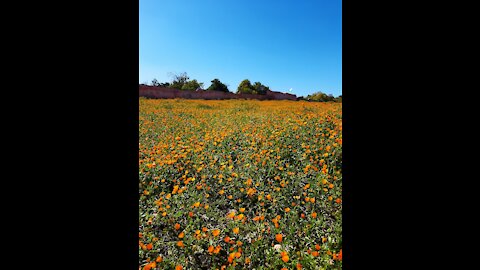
(284, 44)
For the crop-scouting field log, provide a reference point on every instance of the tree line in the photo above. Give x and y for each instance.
(182, 81)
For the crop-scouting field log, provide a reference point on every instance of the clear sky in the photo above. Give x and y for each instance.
(292, 46)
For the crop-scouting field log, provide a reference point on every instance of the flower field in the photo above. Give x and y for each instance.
(240, 184)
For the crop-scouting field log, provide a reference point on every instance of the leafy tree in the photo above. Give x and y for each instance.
(165, 84)
(245, 87)
(259, 88)
(191, 85)
(179, 80)
(321, 97)
(217, 85)
(155, 82)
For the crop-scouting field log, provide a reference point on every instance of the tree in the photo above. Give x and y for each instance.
(179, 80)
(217, 85)
(259, 88)
(165, 84)
(191, 85)
(321, 97)
(245, 87)
(155, 82)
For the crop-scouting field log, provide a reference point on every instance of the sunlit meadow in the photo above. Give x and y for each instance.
(240, 184)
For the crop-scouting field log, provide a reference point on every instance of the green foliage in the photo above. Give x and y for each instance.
(191, 85)
(179, 80)
(245, 87)
(155, 82)
(259, 88)
(217, 85)
(322, 97)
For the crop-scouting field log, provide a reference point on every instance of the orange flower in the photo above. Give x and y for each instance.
(302, 215)
(330, 198)
(236, 230)
(181, 235)
(315, 253)
(324, 239)
(180, 244)
(177, 226)
(231, 215)
(159, 259)
(226, 239)
(339, 256)
(287, 210)
(190, 214)
(284, 268)
(242, 210)
(314, 214)
(338, 200)
(197, 204)
(178, 267)
(312, 200)
(330, 186)
(217, 249)
(317, 247)
(150, 266)
(210, 249)
(247, 260)
(239, 217)
(279, 238)
(299, 266)
(149, 246)
(216, 232)
(204, 229)
(285, 258)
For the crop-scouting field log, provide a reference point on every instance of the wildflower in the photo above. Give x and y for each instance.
(215, 232)
(180, 244)
(150, 266)
(181, 235)
(236, 230)
(231, 215)
(177, 226)
(279, 238)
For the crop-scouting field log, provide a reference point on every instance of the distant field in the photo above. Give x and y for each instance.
(240, 184)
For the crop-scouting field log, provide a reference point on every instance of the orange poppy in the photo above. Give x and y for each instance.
(279, 238)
